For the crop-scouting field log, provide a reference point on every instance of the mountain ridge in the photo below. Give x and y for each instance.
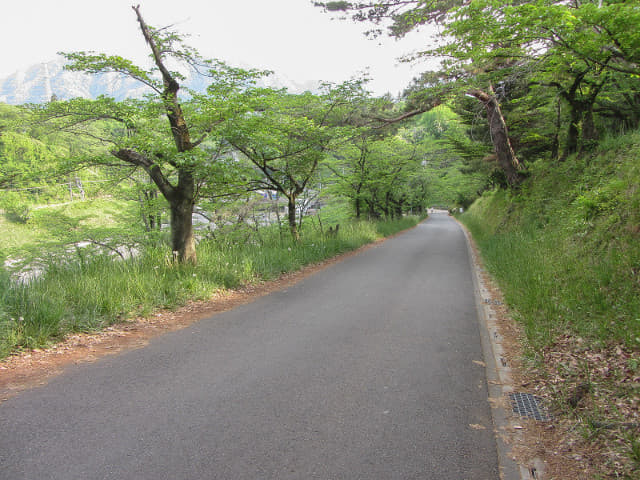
(39, 83)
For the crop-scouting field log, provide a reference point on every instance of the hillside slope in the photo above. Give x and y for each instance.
(565, 250)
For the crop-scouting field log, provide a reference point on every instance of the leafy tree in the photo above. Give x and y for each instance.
(23, 159)
(380, 175)
(455, 167)
(350, 163)
(431, 90)
(287, 137)
(499, 52)
(164, 134)
(397, 186)
(580, 49)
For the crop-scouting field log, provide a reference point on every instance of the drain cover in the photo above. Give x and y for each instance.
(528, 405)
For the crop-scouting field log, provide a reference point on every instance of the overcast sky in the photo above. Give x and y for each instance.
(290, 37)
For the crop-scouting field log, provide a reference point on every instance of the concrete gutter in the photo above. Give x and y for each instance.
(500, 382)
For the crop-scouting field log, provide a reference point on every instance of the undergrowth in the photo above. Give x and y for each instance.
(566, 247)
(565, 251)
(89, 292)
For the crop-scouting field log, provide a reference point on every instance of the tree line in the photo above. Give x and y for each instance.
(549, 77)
(225, 142)
(518, 81)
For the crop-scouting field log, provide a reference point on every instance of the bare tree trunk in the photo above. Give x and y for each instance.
(143, 200)
(358, 201)
(182, 239)
(573, 132)
(589, 132)
(151, 217)
(555, 146)
(276, 208)
(80, 187)
(155, 216)
(505, 154)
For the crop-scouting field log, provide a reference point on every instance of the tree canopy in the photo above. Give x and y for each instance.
(551, 76)
(165, 133)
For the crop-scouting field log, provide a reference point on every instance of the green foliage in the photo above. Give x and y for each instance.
(23, 160)
(380, 176)
(454, 166)
(566, 253)
(287, 136)
(38, 166)
(51, 230)
(175, 139)
(91, 292)
(577, 53)
(565, 249)
(14, 207)
(563, 72)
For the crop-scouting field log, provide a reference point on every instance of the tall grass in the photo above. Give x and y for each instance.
(88, 293)
(566, 249)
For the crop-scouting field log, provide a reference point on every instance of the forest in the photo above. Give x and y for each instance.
(530, 126)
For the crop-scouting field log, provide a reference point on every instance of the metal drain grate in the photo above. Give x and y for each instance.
(528, 405)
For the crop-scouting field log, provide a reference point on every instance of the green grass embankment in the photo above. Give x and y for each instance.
(565, 249)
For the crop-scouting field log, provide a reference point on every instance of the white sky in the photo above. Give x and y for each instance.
(291, 37)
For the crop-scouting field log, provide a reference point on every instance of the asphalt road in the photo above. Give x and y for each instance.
(364, 370)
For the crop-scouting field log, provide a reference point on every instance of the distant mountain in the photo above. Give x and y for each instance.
(38, 83)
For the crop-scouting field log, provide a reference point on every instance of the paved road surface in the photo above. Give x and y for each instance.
(363, 371)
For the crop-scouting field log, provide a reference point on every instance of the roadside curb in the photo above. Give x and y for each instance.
(499, 380)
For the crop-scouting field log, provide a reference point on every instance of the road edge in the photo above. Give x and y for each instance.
(499, 382)
(32, 368)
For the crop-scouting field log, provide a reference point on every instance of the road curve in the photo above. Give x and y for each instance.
(370, 369)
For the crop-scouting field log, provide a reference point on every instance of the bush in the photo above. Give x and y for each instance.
(15, 208)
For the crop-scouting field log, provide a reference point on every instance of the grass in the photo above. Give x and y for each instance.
(565, 251)
(89, 293)
(50, 228)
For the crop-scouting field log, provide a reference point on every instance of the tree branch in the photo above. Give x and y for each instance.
(134, 158)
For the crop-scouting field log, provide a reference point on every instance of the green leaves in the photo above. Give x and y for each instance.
(91, 62)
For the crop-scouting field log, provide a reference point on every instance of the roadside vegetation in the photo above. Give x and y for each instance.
(112, 209)
(566, 245)
(565, 250)
(85, 292)
(549, 92)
